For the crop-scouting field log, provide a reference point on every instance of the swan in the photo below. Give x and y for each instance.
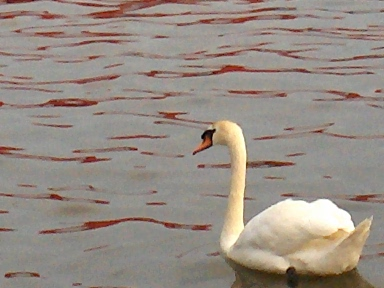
(313, 237)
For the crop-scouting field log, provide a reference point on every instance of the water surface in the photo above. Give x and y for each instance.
(102, 103)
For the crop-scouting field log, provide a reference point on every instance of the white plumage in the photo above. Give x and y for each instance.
(314, 237)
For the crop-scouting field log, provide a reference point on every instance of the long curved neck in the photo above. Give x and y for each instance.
(234, 218)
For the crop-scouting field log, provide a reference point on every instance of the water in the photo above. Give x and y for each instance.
(102, 103)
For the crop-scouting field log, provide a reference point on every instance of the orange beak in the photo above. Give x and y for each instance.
(207, 142)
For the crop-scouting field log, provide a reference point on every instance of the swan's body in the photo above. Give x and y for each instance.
(313, 237)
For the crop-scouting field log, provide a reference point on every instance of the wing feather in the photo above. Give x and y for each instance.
(290, 224)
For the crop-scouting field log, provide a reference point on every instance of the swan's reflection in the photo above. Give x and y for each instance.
(246, 278)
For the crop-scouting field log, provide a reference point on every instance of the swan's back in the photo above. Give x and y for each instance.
(300, 234)
(290, 224)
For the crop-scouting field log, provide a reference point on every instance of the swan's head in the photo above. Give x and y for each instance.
(219, 133)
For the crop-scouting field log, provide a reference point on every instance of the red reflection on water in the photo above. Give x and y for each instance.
(214, 70)
(244, 19)
(258, 93)
(67, 102)
(21, 274)
(139, 136)
(346, 95)
(171, 115)
(222, 70)
(93, 159)
(52, 196)
(122, 9)
(107, 14)
(73, 81)
(251, 164)
(167, 115)
(371, 198)
(6, 229)
(156, 203)
(50, 34)
(84, 59)
(366, 198)
(10, 152)
(92, 225)
(42, 15)
(8, 149)
(53, 125)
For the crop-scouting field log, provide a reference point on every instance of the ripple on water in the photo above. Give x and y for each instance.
(77, 77)
(92, 225)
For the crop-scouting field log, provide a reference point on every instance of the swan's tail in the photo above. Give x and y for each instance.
(352, 246)
(330, 258)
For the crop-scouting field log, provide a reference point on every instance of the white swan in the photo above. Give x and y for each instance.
(313, 237)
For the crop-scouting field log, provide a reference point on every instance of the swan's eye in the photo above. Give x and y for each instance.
(208, 133)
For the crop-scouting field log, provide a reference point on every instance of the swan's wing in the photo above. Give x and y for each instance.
(289, 225)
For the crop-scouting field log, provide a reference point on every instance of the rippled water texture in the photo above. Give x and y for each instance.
(102, 103)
